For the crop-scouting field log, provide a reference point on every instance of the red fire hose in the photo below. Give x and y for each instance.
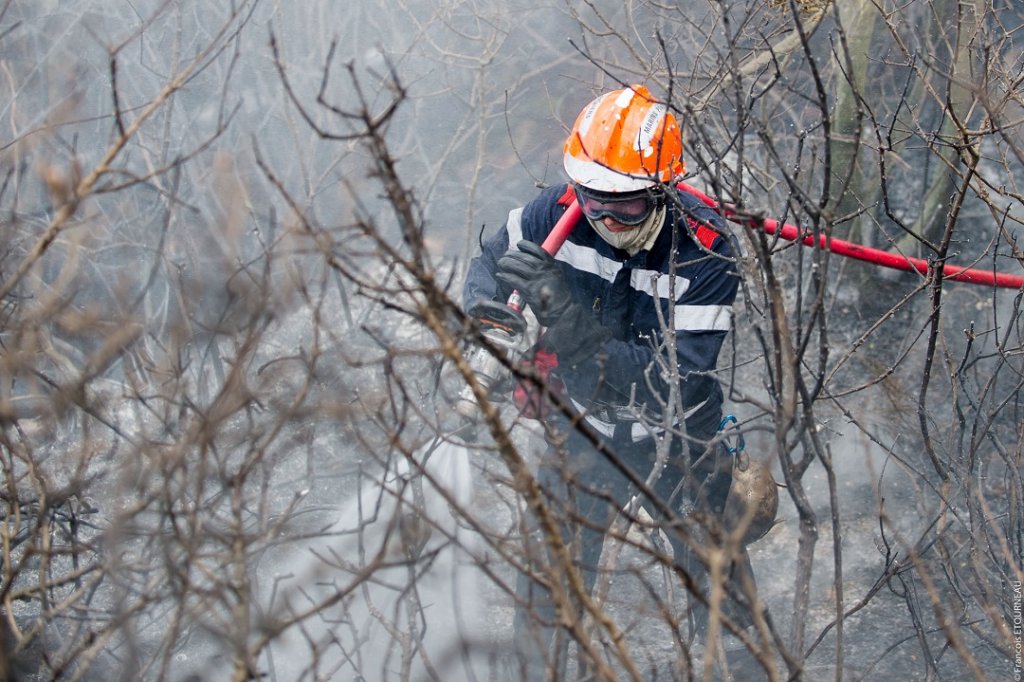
(857, 251)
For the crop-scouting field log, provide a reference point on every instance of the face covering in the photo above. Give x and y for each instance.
(637, 239)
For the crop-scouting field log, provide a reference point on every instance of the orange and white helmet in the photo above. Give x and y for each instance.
(624, 141)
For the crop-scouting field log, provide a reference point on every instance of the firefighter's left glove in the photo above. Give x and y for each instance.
(537, 276)
(572, 332)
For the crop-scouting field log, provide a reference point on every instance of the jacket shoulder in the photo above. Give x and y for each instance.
(702, 223)
(541, 214)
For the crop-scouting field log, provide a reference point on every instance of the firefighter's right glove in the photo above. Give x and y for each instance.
(504, 328)
(572, 332)
(492, 315)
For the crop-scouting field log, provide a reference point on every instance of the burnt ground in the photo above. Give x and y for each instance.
(464, 616)
(880, 640)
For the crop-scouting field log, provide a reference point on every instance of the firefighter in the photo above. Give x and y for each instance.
(635, 307)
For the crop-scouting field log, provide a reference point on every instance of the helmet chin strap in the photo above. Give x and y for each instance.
(637, 239)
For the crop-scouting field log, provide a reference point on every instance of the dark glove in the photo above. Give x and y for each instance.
(575, 336)
(536, 275)
(504, 328)
(494, 315)
(573, 333)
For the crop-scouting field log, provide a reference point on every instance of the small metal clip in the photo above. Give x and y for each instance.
(741, 444)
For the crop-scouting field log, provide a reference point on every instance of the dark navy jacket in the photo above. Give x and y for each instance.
(626, 294)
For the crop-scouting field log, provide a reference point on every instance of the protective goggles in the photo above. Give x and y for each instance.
(628, 209)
